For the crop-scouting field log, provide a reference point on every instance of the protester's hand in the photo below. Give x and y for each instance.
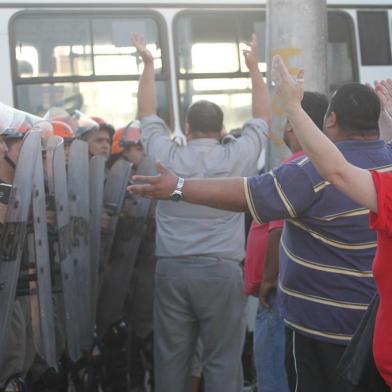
(383, 89)
(266, 288)
(155, 187)
(288, 90)
(250, 54)
(140, 44)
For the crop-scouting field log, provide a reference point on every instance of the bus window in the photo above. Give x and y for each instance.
(341, 54)
(84, 62)
(113, 52)
(374, 37)
(210, 64)
(115, 101)
(27, 61)
(63, 44)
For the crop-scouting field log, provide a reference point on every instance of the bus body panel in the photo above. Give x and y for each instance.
(176, 90)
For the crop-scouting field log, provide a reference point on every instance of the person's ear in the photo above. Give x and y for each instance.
(330, 120)
(223, 133)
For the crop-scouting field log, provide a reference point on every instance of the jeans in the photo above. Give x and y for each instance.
(269, 349)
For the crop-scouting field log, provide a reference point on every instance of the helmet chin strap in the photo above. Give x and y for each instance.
(10, 161)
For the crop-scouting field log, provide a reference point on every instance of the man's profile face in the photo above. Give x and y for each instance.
(99, 143)
(135, 154)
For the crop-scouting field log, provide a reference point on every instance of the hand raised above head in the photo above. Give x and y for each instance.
(288, 90)
(140, 44)
(155, 187)
(383, 89)
(250, 54)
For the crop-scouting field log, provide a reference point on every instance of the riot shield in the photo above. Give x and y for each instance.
(78, 192)
(46, 342)
(97, 180)
(19, 121)
(114, 194)
(78, 121)
(58, 196)
(123, 258)
(119, 272)
(14, 233)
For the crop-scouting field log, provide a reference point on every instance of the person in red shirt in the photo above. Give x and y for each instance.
(370, 189)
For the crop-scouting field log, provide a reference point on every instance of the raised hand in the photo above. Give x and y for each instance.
(155, 187)
(250, 54)
(140, 44)
(288, 90)
(383, 90)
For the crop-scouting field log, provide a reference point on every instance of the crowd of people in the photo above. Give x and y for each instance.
(172, 277)
(323, 270)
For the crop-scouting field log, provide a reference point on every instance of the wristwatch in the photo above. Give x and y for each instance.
(176, 195)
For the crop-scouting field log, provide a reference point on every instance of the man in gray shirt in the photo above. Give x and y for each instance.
(198, 279)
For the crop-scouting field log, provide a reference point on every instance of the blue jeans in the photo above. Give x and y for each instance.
(269, 349)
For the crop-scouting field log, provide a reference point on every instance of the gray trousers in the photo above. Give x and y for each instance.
(198, 298)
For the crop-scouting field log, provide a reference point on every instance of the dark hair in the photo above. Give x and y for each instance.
(315, 105)
(205, 117)
(357, 108)
(108, 128)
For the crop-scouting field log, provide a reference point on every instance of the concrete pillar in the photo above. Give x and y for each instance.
(297, 30)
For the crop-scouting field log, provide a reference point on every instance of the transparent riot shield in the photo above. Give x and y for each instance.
(97, 179)
(79, 206)
(59, 204)
(15, 228)
(77, 120)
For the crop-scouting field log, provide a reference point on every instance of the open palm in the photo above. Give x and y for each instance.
(140, 44)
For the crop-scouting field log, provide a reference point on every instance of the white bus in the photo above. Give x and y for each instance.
(77, 54)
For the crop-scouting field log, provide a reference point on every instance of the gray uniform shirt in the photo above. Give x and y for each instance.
(185, 229)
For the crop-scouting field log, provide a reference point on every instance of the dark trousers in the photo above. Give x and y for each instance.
(312, 365)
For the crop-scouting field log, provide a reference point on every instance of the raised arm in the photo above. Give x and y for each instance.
(356, 183)
(383, 89)
(223, 193)
(146, 95)
(261, 106)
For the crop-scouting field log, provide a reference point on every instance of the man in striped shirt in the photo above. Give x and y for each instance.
(326, 249)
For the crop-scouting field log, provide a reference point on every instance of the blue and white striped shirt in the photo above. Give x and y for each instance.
(327, 248)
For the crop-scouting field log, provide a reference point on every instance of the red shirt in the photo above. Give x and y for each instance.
(256, 249)
(382, 271)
